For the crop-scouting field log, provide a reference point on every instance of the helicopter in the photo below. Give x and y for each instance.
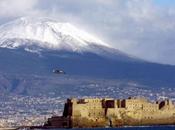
(57, 71)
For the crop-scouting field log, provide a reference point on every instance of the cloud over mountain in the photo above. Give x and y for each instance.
(134, 26)
(48, 34)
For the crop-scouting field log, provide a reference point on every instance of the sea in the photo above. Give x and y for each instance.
(126, 128)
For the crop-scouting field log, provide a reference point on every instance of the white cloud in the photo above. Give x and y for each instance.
(11, 8)
(138, 27)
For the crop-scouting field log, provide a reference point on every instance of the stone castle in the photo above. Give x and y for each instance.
(107, 112)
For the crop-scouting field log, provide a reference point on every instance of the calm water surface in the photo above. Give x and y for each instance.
(129, 128)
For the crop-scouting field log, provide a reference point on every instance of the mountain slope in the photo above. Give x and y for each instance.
(18, 61)
(36, 47)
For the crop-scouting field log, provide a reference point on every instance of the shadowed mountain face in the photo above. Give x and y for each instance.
(20, 62)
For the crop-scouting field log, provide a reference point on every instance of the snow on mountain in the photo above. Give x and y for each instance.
(46, 33)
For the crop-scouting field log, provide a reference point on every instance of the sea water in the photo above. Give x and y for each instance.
(127, 128)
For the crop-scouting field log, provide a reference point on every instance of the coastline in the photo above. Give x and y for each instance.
(102, 128)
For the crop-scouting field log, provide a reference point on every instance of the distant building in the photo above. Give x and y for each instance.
(95, 112)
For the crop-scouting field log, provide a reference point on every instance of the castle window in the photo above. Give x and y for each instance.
(64, 124)
(89, 114)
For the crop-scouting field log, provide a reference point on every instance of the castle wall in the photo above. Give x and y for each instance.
(134, 110)
(97, 112)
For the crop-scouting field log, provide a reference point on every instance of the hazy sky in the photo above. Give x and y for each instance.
(144, 28)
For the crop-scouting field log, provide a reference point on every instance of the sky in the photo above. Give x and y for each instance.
(143, 28)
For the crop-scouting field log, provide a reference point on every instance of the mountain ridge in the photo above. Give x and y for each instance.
(28, 60)
(47, 34)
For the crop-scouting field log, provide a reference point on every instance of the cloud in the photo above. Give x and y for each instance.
(11, 8)
(143, 28)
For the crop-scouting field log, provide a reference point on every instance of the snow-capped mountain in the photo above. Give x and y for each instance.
(36, 46)
(46, 33)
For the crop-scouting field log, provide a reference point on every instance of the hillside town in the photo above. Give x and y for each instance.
(24, 110)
